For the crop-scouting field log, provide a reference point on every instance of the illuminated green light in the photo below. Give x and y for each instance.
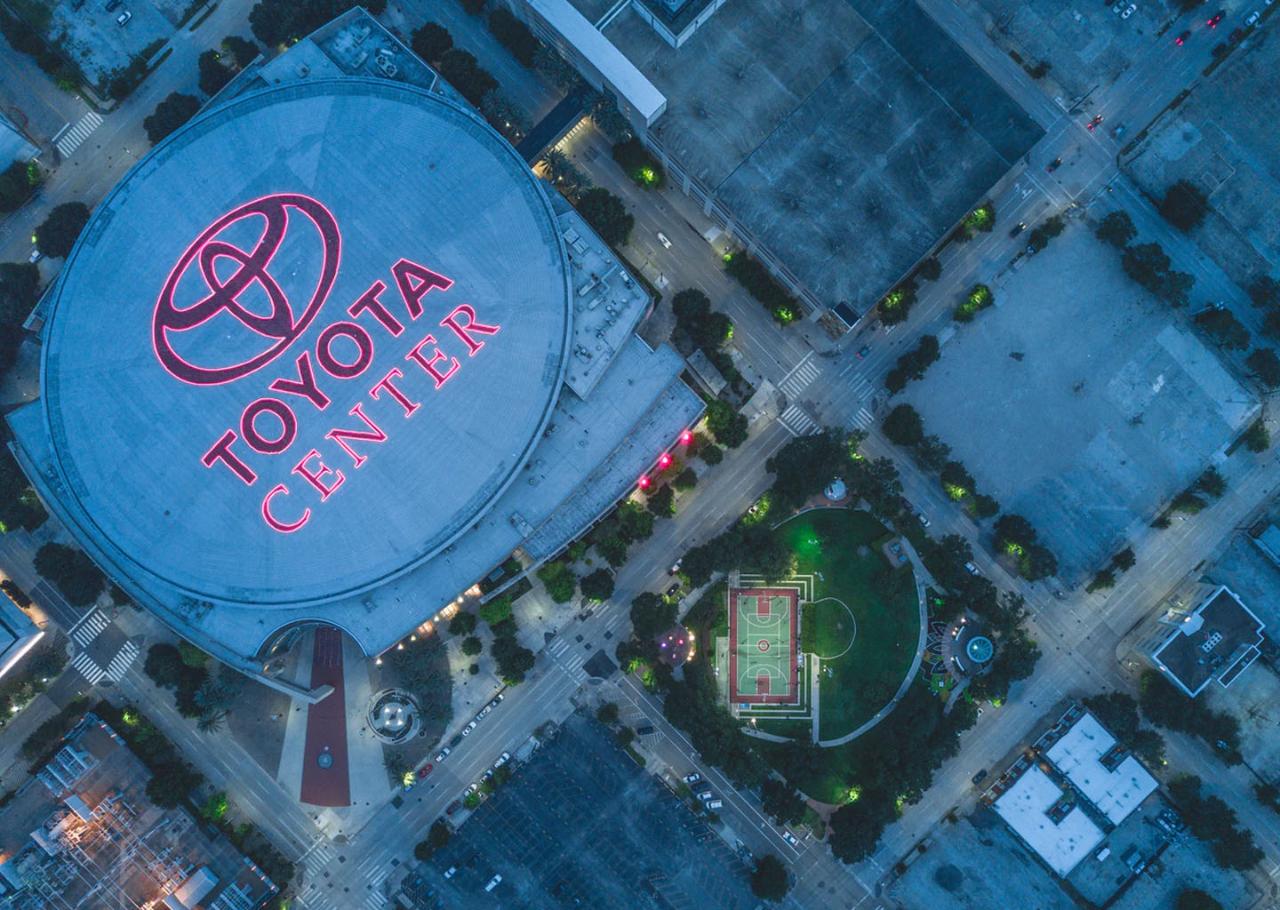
(854, 794)
(955, 491)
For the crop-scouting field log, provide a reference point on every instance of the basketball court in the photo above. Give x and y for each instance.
(762, 646)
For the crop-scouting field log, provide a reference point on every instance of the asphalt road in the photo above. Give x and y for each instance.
(1079, 636)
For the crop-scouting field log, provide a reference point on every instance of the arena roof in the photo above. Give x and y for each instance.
(356, 268)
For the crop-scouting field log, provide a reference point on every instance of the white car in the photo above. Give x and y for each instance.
(444, 753)
(468, 728)
(692, 778)
(502, 759)
(1129, 11)
(1253, 18)
(662, 238)
(123, 19)
(790, 838)
(35, 256)
(972, 570)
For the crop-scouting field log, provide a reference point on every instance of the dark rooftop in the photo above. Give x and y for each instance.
(1218, 640)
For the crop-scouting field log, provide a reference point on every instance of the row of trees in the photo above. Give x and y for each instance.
(279, 23)
(896, 305)
(71, 572)
(197, 692)
(1166, 706)
(1015, 536)
(1195, 498)
(1106, 578)
(1145, 263)
(760, 284)
(912, 364)
(1214, 822)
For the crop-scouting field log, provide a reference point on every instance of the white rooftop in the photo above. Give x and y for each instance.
(1078, 755)
(1025, 807)
(632, 85)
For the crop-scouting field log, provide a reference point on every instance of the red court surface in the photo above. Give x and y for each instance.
(327, 728)
(763, 646)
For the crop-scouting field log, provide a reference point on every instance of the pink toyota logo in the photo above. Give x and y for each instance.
(221, 289)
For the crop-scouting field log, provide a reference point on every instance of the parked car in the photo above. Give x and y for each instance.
(864, 351)
(714, 803)
(425, 770)
(494, 882)
(444, 753)
(664, 240)
(451, 872)
(675, 568)
(472, 788)
(453, 807)
(972, 569)
(979, 777)
(1017, 229)
(453, 743)
(123, 19)
(644, 730)
(704, 794)
(923, 519)
(1253, 18)
(692, 778)
(502, 759)
(112, 4)
(790, 838)
(35, 256)
(466, 731)
(1129, 11)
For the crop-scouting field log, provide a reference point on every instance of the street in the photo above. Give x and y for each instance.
(1081, 636)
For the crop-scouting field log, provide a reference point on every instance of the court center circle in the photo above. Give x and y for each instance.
(763, 644)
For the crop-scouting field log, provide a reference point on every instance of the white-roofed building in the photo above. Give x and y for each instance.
(1049, 820)
(1101, 769)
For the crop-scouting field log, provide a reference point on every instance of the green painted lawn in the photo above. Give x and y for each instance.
(853, 687)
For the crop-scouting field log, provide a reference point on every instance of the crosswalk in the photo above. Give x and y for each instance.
(94, 673)
(89, 628)
(124, 659)
(797, 422)
(862, 420)
(569, 658)
(88, 668)
(71, 136)
(801, 377)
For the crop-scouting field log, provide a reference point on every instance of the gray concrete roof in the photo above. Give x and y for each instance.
(404, 174)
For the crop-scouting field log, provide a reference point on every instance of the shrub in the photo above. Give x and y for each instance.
(514, 35)
(431, 42)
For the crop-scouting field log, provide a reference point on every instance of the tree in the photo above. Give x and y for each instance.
(1264, 291)
(170, 114)
(1184, 205)
(213, 74)
(1117, 229)
(930, 269)
(17, 182)
(497, 610)
(19, 505)
(1149, 266)
(903, 426)
(503, 116)
(163, 665)
(711, 454)
(1124, 560)
(1225, 329)
(661, 502)
(1266, 366)
(896, 306)
(471, 80)
(856, 827)
(548, 61)
(1038, 562)
(513, 660)
(58, 233)
(277, 22)
(635, 523)
(171, 784)
(1258, 438)
(769, 880)
(1046, 231)
(71, 572)
(1014, 530)
(242, 50)
(613, 549)
(597, 586)
(805, 466)
(727, 425)
(651, 615)
(559, 581)
(463, 623)
(1211, 482)
(514, 35)
(638, 163)
(431, 41)
(912, 364)
(607, 215)
(956, 480)
(1195, 899)
(781, 802)
(471, 646)
(607, 713)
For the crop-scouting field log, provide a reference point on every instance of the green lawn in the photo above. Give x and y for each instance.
(854, 686)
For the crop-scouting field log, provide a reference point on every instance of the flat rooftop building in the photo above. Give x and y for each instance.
(330, 353)
(18, 634)
(82, 835)
(1048, 818)
(1219, 639)
(1100, 768)
(1075, 785)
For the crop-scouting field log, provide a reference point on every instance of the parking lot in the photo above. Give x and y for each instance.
(841, 151)
(581, 825)
(90, 34)
(1104, 405)
(1086, 45)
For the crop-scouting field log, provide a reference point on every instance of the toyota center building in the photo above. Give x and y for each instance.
(330, 354)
